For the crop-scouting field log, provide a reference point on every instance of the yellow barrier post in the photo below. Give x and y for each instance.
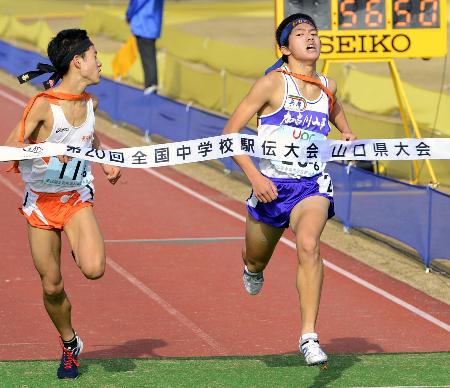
(404, 109)
(403, 114)
(401, 96)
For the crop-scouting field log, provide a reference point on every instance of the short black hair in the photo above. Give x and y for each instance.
(62, 44)
(290, 19)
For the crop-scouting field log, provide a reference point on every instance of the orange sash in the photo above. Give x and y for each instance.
(313, 81)
(51, 95)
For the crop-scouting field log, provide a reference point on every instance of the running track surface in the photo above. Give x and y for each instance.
(162, 300)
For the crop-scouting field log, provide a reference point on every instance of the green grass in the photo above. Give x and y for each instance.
(344, 370)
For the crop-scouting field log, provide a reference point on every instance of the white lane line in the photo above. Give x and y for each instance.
(168, 307)
(16, 100)
(184, 240)
(149, 292)
(194, 194)
(11, 186)
(26, 344)
(289, 243)
(379, 291)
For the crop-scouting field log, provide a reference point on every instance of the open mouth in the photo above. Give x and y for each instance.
(310, 47)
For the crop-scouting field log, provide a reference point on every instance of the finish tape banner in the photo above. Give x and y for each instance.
(217, 147)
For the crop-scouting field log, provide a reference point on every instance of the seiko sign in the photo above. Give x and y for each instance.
(365, 43)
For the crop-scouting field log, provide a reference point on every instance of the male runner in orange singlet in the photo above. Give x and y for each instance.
(59, 192)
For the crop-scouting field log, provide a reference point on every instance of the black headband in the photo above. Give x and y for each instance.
(43, 68)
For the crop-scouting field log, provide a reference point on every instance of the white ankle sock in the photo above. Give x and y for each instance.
(308, 336)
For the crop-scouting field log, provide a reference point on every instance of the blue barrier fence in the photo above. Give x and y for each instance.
(415, 215)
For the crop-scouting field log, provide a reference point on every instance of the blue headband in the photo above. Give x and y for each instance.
(284, 38)
(288, 29)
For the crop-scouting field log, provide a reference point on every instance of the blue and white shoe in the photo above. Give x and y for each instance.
(68, 368)
(309, 346)
(253, 282)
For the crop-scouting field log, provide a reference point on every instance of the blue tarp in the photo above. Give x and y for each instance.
(415, 215)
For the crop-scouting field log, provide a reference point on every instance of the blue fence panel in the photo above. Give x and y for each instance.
(390, 207)
(204, 124)
(17, 61)
(107, 92)
(134, 108)
(170, 119)
(341, 188)
(439, 225)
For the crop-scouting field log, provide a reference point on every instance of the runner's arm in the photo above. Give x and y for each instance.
(34, 121)
(258, 97)
(113, 173)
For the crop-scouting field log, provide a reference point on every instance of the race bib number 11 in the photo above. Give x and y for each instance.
(65, 174)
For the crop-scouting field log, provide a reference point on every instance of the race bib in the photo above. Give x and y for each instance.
(66, 174)
(325, 184)
(300, 168)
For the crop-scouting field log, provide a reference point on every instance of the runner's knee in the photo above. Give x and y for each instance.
(93, 271)
(308, 248)
(53, 290)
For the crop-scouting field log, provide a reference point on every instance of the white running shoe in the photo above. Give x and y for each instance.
(310, 347)
(253, 282)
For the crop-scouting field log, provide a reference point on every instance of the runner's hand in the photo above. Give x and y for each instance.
(264, 189)
(348, 136)
(112, 173)
(64, 158)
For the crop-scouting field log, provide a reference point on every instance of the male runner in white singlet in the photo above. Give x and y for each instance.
(294, 103)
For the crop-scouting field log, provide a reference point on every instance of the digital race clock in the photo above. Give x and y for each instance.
(364, 29)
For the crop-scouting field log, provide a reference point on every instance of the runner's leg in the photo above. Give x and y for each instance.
(260, 242)
(46, 249)
(308, 219)
(87, 243)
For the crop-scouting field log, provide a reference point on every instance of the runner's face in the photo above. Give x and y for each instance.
(304, 42)
(90, 66)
